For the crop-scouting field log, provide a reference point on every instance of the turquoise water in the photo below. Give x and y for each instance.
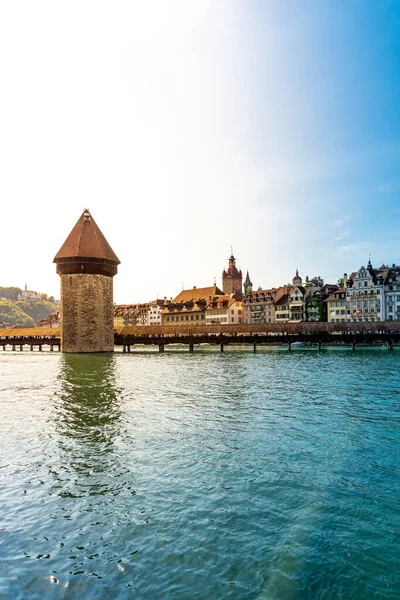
(209, 476)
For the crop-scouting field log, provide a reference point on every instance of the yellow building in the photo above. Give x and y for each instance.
(336, 306)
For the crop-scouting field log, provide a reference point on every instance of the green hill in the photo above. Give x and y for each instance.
(22, 312)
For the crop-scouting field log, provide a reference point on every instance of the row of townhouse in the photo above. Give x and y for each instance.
(367, 295)
(203, 306)
(287, 304)
(148, 313)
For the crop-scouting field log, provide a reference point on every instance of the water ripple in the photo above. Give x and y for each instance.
(235, 476)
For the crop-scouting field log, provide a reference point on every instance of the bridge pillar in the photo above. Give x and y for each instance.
(289, 346)
(40, 347)
(255, 347)
(4, 347)
(129, 347)
(390, 345)
(353, 346)
(123, 348)
(319, 345)
(51, 348)
(13, 347)
(20, 347)
(191, 347)
(31, 348)
(161, 347)
(222, 347)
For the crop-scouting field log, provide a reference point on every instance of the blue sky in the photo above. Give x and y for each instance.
(188, 127)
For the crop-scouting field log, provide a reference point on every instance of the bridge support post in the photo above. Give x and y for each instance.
(161, 347)
(129, 347)
(390, 345)
(191, 347)
(31, 348)
(222, 347)
(51, 348)
(40, 347)
(13, 347)
(123, 348)
(289, 346)
(255, 347)
(20, 347)
(319, 346)
(4, 347)
(353, 346)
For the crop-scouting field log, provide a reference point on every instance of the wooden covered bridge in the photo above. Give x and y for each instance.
(253, 335)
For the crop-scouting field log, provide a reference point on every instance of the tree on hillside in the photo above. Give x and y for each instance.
(11, 313)
(37, 310)
(10, 292)
(317, 281)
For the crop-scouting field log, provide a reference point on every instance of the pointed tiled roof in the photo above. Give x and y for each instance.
(86, 241)
(247, 282)
(197, 294)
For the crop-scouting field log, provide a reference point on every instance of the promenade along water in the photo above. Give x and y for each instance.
(211, 476)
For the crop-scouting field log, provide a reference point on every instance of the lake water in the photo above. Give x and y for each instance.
(200, 476)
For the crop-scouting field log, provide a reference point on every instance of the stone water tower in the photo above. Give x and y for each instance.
(86, 264)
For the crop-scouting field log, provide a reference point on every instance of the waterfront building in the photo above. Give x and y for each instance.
(154, 312)
(281, 304)
(189, 306)
(86, 264)
(297, 300)
(232, 280)
(336, 306)
(52, 321)
(316, 307)
(365, 294)
(258, 306)
(224, 309)
(391, 293)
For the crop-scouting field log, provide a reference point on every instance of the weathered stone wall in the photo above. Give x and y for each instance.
(87, 313)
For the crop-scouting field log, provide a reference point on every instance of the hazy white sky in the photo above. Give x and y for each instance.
(190, 126)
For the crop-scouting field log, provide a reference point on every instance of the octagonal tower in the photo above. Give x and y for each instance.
(86, 264)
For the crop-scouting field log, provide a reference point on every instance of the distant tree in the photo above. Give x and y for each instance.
(37, 310)
(51, 299)
(317, 281)
(307, 279)
(340, 281)
(10, 292)
(13, 314)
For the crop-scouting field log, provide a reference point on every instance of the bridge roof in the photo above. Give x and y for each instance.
(86, 241)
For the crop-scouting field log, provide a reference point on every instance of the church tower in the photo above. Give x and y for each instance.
(297, 280)
(248, 286)
(86, 264)
(232, 280)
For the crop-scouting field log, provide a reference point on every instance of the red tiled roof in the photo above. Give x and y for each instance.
(86, 241)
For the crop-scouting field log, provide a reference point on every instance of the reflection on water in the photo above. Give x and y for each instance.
(87, 418)
(238, 476)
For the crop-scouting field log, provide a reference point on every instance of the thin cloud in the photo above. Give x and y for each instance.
(340, 222)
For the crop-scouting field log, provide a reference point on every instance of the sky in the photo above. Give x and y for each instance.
(189, 127)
